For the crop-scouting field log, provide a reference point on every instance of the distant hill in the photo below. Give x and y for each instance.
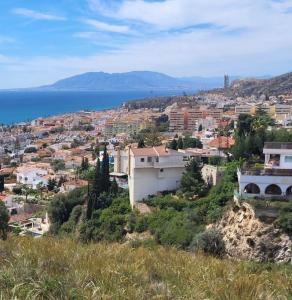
(137, 80)
(273, 86)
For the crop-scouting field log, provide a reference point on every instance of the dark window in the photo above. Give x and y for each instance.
(161, 170)
(149, 159)
(142, 159)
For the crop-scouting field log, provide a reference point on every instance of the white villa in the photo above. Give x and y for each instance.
(31, 176)
(274, 181)
(150, 170)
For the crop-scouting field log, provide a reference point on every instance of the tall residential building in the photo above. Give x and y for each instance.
(192, 117)
(186, 119)
(226, 81)
(177, 120)
(278, 111)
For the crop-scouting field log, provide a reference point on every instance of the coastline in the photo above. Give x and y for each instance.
(18, 107)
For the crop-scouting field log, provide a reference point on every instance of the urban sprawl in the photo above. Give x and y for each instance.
(148, 150)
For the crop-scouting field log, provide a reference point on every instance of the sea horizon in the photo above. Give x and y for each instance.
(24, 106)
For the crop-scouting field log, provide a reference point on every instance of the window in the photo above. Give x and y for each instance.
(149, 159)
(288, 159)
(161, 170)
(157, 159)
(142, 159)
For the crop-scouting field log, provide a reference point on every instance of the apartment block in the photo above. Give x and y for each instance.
(187, 118)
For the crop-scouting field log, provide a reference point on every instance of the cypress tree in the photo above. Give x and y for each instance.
(96, 190)
(114, 187)
(180, 144)
(105, 171)
(1, 184)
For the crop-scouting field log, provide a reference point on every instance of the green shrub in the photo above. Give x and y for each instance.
(285, 222)
(210, 242)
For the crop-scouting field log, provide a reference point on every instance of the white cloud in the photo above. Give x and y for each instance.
(37, 15)
(107, 27)
(175, 14)
(247, 37)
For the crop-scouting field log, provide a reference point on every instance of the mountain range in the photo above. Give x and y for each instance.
(137, 80)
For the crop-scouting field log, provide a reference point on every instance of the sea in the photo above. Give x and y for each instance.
(24, 106)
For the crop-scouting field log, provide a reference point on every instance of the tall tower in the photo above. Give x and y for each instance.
(226, 81)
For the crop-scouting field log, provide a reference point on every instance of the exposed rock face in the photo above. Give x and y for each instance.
(246, 237)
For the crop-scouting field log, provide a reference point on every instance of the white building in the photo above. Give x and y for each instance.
(150, 170)
(274, 181)
(31, 176)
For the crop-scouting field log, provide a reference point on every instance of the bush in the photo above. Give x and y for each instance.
(107, 224)
(210, 242)
(61, 207)
(30, 150)
(285, 222)
(215, 160)
(17, 190)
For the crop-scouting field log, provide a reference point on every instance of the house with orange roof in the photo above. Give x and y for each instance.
(222, 143)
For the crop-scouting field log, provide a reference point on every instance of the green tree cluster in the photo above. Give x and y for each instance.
(184, 143)
(101, 184)
(61, 206)
(192, 183)
(4, 219)
(250, 135)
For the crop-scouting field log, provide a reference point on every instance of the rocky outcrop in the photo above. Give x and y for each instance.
(246, 237)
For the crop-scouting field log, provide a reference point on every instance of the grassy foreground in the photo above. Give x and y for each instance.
(63, 269)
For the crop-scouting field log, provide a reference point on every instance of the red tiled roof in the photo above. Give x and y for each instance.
(222, 142)
(154, 151)
(143, 152)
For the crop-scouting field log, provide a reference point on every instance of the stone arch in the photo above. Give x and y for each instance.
(252, 188)
(273, 189)
(289, 191)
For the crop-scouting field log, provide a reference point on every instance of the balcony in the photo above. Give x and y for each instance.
(266, 172)
(277, 145)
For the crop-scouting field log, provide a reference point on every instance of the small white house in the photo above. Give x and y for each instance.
(274, 180)
(31, 176)
(150, 170)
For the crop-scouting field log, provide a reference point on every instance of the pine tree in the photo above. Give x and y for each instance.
(61, 181)
(173, 144)
(192, 182)
(51, 184)
(141, 143)
(180, 144)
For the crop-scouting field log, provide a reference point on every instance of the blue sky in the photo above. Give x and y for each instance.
(42, 41)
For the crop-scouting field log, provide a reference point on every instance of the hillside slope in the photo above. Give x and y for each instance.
(62, 269)
(247, 237)
(271, 87)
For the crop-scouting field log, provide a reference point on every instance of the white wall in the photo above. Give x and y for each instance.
(149, 181)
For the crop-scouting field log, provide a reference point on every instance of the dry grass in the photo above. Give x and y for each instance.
(62, 269)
